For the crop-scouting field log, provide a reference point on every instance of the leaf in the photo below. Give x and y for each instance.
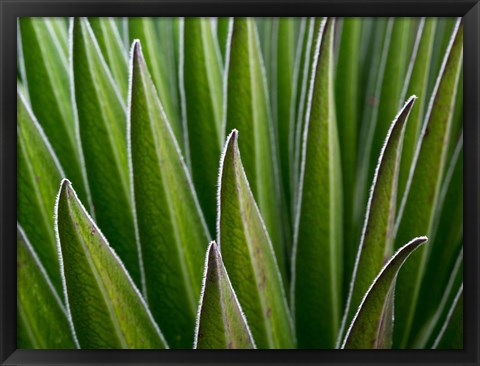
(376, 243)
(159, 54)
(446, 240)
(113, 50)
(364, 329)
(420, 200)
(41, 316)
(316, 279)
(48, 81)
(347, 106)
(220, 320)
(203, 102)
(451, 335)
(106, 309)
(101, 120)
(37, 182)
(247, 110)
(171, 228)
(416, 83)
(223, 30)
(284, 58)
(248, 255)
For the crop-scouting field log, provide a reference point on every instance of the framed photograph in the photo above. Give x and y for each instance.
(239, 182)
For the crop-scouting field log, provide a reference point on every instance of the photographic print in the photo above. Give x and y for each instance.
(240, 183)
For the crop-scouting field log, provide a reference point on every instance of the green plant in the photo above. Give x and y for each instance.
(319, 200)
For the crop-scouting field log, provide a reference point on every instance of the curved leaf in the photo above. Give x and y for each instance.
(248, 255)
(247, 110)
(47, 77)
(419, 202)
(41, 316)
(38, 175)
(317, 261)
(376, 244)
(203, 102)
(101, 119)
(220, 320)
(106, 309)
(171, 228)
(365, 329)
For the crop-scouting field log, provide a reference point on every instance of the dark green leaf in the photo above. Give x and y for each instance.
(376, 243)
(203, 102)
(317, 262)
(41, 316)
(48, 83)
(220, 320)
(451, 335)
(248, 111)
(106, 309)
(365, 329)
(172, 231)
(421, 195)
(39, 173)
(248, 255)
(102, 126)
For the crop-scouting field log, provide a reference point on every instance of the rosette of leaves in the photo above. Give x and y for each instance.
(315, 155)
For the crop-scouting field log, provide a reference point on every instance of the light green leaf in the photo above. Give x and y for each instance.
(203, 102)
(47, 79)
(37, 183)
(451, 335)
(365, 329)
(247, 110)
(113, 50)
(160, 54)
(347, 106)
(106, 309)
(416, 83)
(223, 29)
(41, 316)
(172, 230)
(317, 262)
(248, 255)
(102, 126)
(376, 243)
(419, 203)
(446, 241)
(220, 320)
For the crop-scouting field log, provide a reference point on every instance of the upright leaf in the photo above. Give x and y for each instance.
(37, 182)
(416, 83)
(317, 262)
(101, 120)
(223, 29)
(365, 331)
(159, 55)
(420, 199)
(347, 100)
(47, 78)
(376, 244)
(113, 50)
(220, 320)
(203, 103)
(248, 255)
(247, 110)
(42, 321)
(105, 307)
(172, 231)
(451, 335)
(446, 241)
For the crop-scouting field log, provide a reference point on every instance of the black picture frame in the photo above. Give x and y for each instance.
(11, 9)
